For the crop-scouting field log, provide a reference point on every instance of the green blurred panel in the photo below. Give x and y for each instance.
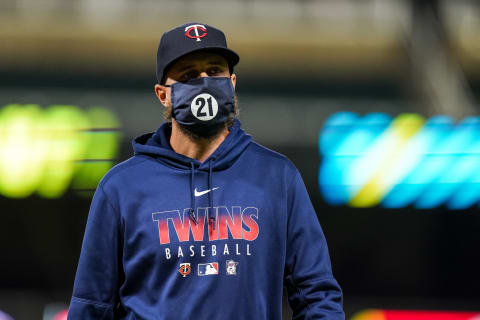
(104, 137)
(47, 150)
(65, 143)
(22, 151)
(102, 118)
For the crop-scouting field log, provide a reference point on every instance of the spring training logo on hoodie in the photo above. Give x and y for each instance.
(240, 223)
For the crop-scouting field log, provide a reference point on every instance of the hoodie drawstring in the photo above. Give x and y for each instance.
(193, 209)
(192, 195)
(211, 215)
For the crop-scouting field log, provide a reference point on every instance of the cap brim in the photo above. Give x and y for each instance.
(231, 56)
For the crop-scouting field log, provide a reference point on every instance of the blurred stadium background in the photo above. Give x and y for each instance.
(375, 101)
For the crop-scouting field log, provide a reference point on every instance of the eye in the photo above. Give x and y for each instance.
(215, 71)
(192, 74)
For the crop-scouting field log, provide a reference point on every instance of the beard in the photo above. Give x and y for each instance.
(205, 133)
(197, 133)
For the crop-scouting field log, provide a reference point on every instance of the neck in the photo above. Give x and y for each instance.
(195, 149)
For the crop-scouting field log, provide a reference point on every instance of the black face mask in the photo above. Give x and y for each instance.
(203, 105)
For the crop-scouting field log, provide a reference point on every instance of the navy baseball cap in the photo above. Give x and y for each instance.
(191, 37)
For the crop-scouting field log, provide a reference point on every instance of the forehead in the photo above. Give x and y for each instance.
(198, 58)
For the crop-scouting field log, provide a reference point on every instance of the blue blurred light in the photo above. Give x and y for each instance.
(438, 165)
(343, 139)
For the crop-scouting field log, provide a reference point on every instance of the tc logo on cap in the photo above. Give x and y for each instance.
(197, 35)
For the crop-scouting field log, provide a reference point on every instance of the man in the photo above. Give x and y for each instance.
(202, 222)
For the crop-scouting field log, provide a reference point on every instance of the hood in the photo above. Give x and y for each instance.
(157, 145)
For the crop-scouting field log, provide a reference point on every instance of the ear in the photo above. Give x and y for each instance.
(161, 93)
(234, 79)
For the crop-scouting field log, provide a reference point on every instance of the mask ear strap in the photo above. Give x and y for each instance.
(166, 85)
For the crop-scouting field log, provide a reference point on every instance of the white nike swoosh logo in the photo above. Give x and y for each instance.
(201, 193)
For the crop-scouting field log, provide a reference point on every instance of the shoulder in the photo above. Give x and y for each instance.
(269, 154)
(120, 171)
(273, 158)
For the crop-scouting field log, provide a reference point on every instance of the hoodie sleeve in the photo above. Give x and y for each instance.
(313, 292)
(97, 282)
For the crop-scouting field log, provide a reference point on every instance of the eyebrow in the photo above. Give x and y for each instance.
(216, 62)
(181, 69)
(212, 63)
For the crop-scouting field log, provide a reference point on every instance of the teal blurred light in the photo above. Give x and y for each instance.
(441, 167)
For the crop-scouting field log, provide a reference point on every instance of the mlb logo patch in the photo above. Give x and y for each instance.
(205, 269)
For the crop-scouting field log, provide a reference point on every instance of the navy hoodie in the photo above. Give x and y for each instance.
(169, 237)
